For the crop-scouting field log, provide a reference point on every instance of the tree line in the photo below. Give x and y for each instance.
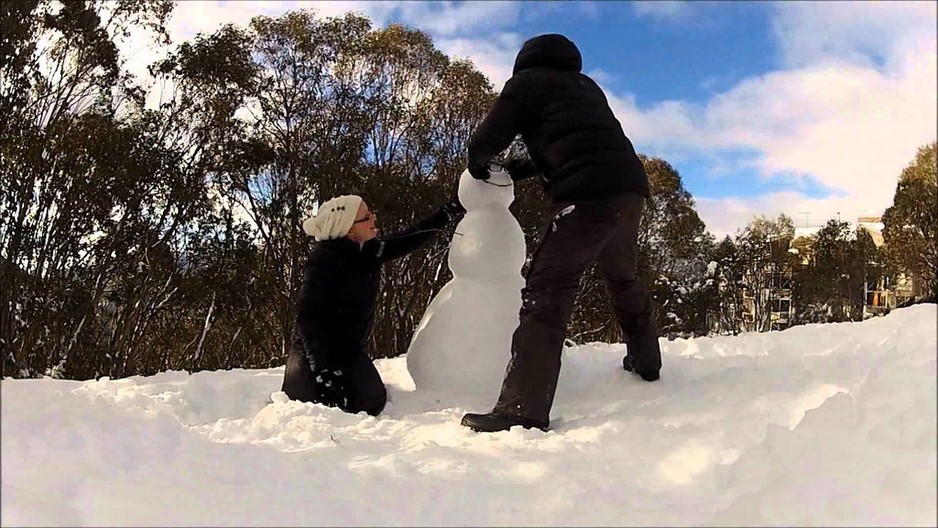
(156, 225)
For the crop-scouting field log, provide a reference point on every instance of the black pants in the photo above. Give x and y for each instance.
(364, 388)
(605, 233)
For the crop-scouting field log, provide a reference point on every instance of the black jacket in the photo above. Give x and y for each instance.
(337, 301)
(573, 137)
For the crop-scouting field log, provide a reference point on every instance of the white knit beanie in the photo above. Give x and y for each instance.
(334, 218)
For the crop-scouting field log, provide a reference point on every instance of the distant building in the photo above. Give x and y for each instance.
(880, 296)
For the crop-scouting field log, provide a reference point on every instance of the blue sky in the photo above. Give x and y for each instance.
(659, 58)
(804, 108)
(666, 55)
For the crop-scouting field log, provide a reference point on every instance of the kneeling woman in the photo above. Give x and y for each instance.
(328, 363)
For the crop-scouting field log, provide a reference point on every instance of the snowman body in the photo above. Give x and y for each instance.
(463, 342)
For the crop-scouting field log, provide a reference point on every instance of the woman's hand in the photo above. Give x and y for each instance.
(453, 208)
(331, 386)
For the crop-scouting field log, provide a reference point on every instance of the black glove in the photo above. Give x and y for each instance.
(479, 172)
(331, 387)
(453, 209)
(521, 168)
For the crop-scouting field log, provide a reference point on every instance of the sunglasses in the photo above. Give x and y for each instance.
(366, 218)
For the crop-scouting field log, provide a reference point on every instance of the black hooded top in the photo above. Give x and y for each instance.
(573, 137)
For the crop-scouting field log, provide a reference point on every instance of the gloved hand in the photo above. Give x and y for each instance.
(453, 208)
(331, 386)
(479, 172)
(521, 168)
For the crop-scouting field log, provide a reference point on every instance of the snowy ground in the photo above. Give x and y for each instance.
(816, 425)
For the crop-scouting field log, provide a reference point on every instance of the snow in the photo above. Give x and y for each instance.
(806, 232)
(823, 425)
(562, 213)
(462, 343)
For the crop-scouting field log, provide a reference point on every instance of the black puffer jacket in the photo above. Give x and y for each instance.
(337, 301)
(565, 121)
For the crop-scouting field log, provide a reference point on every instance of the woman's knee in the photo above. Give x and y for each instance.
(372, 402)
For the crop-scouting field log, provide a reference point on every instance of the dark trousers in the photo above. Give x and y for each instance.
(605, 233)
(364, 389)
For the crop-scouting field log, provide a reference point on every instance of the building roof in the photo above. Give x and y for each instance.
(805, 232)
(875, 229)
(871, 224)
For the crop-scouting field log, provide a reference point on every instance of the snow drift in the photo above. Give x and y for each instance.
(824, 424)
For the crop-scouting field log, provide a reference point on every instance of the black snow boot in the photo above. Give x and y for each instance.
(647, 376)
(644, 353)
(494, 422)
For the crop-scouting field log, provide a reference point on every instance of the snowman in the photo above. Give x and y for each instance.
(463, 343)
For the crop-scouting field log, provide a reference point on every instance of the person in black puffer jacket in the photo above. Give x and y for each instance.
(328, 363)
(597, 185)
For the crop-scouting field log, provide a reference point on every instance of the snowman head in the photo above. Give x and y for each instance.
(478, 194)
(490, 242)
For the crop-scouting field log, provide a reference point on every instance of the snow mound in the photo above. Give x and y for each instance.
(823, 424)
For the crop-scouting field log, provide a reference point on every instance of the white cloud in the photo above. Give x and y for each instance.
(454, 26)
(854, 99)
(668, 10)
(855, 32)
(589, 9)
(725, 216)
(850, 112)
(602, 77)
(464, 18)
(455, 29)
(437, 18)
(494, 57)
(191, 17)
